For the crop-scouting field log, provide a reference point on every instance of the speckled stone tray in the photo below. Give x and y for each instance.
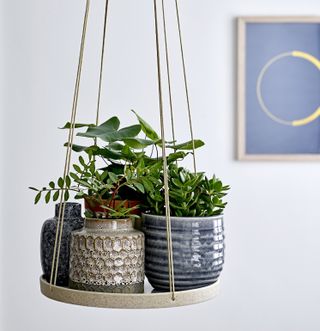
(148, 299)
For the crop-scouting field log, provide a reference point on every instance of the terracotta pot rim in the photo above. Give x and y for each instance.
(131, 200)
(97, 205)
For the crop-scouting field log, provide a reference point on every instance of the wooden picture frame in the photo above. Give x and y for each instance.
(251, 107)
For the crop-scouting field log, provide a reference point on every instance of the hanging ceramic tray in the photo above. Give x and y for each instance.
(128, 301)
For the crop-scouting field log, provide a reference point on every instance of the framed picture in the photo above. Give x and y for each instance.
(279, 88)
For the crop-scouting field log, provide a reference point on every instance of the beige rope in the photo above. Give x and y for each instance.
(186, 86)
(168, 72)
(59, 230)
(102, 61)
(165, 168)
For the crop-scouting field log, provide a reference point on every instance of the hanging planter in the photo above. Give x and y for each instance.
(107, 255)
(120, 174)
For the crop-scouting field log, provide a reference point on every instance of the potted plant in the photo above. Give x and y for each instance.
(108, 254)
(196, 208)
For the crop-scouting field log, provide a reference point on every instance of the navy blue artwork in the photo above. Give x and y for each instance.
(282, 88)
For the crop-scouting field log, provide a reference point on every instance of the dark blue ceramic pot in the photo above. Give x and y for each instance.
(198, 251)
(72, 221)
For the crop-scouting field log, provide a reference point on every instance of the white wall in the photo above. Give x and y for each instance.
(272, 270)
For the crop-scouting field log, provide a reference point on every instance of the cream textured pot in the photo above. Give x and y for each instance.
(107, 255)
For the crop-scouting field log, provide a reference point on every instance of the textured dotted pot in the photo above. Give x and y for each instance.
(198, 251)
(72, 221)
(107, 256)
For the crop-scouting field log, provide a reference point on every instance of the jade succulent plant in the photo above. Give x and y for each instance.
(191, 194)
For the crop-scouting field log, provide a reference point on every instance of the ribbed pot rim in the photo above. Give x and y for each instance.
(190, 218)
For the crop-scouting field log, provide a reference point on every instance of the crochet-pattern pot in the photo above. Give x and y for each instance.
(198, 251)
(72, 221)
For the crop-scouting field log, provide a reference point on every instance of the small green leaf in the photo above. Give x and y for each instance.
(77, 148)
(147, 184)
(218, 186)
(79, 195)
(74, 176)
(115, 146)
(176, 182)
(92, 168)
(172, 157)
(146, 128)
(113, 177)
(124, 133)
(60, 182)
(77, 168)
(138, 143)
(56, 196)
(66, 195)
(128, 132)
(187, 145)
(139, 186)
(37, 198)
(47, 197)
(84, 183)
(51, 184)
(81, 160)
(77, 125)
(128, 154)
(68, 181)
(182, 176)
(104, 175)
(108, 154)
(109, 126)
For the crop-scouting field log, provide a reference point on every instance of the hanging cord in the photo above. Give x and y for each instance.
(165, 168)
(59, 229)
(102, 61)
(186, 86)
(168, 72)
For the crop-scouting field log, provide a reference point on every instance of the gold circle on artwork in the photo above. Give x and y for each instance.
(298, 122)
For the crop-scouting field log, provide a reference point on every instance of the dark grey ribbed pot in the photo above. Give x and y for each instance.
(198, 251)
(72, 221)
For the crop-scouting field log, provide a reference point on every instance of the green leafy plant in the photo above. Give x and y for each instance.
(97, 186)
(190, 194)
(125, 145)
(129, 161)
